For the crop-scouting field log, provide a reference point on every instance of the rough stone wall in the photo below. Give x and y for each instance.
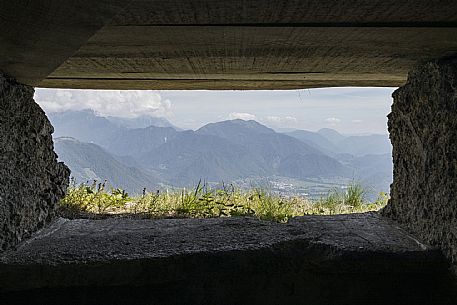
(31, 179)
(423, 132)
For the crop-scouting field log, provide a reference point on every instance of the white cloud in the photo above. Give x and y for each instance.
(121, 103)
(283, 121)
(242, 116)
(357, 121)
(290, 119)
(274, 119)
(333, 120)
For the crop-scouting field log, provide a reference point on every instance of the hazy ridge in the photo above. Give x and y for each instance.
(152, 156)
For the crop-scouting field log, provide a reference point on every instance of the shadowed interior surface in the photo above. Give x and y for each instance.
(355, 258)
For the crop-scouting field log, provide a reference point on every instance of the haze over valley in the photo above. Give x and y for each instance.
(149, 152)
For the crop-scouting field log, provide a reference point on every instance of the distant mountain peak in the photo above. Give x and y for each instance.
(141, 121)
(329, 131)
(249, 123)
(235, 126)
(333, 143)
(331, 134)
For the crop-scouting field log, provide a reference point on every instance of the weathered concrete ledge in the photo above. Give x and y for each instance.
(344, 259)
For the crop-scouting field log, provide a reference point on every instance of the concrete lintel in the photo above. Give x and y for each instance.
(38, 36)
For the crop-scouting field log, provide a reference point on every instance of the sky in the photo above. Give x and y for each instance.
(347, 110)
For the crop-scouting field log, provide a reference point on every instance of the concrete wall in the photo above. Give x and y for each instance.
(423, 131)
(31, 179)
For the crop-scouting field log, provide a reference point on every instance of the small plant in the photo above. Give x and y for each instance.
(270, 207)
(94, 198)
(354, 196)
(351, 200)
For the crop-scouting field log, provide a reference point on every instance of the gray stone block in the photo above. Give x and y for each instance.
(31, 179)
(423, 131)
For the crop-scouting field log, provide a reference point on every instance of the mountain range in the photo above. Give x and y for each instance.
(150, 152)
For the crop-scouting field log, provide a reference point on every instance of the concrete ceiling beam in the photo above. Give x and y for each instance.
(36, 37)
